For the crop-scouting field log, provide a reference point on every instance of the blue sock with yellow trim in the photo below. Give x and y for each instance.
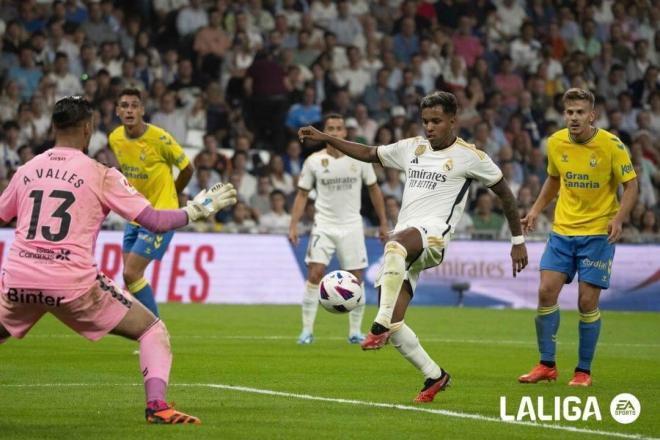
(141, 289)
(589, 331)
(547, 324)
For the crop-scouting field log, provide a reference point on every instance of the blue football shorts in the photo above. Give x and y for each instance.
(145, 243)
(590, 256)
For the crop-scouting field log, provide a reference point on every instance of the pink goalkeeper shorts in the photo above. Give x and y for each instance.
(93, 314)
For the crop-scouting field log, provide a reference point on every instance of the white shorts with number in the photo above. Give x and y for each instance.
(435, 238)
(348, 243)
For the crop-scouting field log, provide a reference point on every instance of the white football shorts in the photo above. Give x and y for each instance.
(347, 243)
(435, 238)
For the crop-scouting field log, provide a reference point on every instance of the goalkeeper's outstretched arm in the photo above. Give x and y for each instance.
(205, 204)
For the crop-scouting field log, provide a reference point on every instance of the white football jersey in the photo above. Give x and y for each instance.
(437, 181)
(338, 183)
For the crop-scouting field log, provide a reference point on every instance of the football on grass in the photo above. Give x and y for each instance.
(340, 292)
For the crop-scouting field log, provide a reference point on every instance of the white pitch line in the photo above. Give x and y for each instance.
(442, 412)
(337, 338)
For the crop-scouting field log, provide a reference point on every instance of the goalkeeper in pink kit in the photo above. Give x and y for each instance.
(59, 200)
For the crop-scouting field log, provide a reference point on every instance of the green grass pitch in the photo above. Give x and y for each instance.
(54, 384)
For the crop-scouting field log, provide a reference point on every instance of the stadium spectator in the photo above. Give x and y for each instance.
(649, 229)
(95, 28)
(26, 74)
(510, 15)
(509, 83)
(366, 127)
(210, 45)
(304, 113)
(191, 18)
(267, 91)
(611, 85)
(170, 118)
(588, 41)
(323, 12)
(487, 223)
(277, 220)
(392, 207)
(65, 82)
(392, 186)
(466, 44)
(279, 179)
(254, 164)
(643, 88)
(346, 26)
(9, 101)
(9, 145)
(244, 182)
(292, 158)
(526, 50)
(260, 201)
(241, 220)
(354, 76)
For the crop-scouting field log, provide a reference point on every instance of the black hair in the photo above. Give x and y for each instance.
(277, 192)
(129, 92)
(9, 125)
(70, 111)
(445, 100)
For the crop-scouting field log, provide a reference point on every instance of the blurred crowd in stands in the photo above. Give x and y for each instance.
(232, 81)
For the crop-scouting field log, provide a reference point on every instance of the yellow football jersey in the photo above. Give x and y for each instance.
(147, 163)
(589, 174)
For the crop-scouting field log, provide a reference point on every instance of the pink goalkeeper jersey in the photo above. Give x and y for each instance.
(60, 199)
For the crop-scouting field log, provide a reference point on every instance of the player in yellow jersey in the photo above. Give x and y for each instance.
(586, 165)
(146, 154)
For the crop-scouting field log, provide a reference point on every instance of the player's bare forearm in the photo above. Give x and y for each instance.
(298, 206)
(183, 178)
(376, 197)
(509, 205)
(357, 151)
(362, 152)
(628, 199)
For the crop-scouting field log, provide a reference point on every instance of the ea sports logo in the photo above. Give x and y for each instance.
(625, 408)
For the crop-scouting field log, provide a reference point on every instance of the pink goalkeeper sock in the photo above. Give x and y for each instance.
(155, 360)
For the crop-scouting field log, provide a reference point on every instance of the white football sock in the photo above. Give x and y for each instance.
(405, 340)
(355, 316)
(394, 270)
(310, 304)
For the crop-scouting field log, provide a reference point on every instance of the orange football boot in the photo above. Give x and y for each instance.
(374, 342)
(163, 414)
(580, 379)
(432, 387)
(539, 373)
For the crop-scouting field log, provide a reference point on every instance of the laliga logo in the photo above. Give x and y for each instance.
(625, 409)
(569, 408)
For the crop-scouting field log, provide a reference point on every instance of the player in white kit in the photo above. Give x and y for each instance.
(338, 227)
(439, 169)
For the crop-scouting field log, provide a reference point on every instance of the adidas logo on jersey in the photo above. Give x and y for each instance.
(415, 161)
